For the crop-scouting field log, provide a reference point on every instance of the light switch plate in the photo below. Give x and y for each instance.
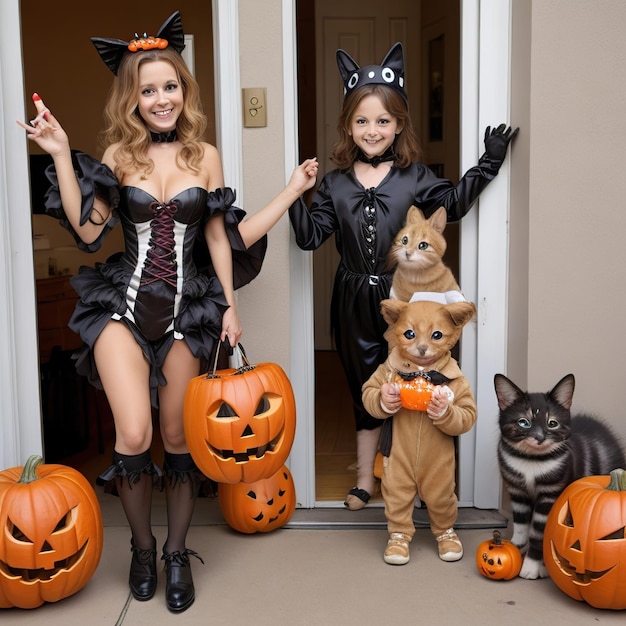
(254, 107)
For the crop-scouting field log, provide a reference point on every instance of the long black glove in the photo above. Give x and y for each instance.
(497, 141)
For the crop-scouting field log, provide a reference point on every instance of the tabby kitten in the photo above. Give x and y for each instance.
(543, 449)
(417, 257)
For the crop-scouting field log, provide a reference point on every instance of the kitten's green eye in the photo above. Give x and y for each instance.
(422, 245)
(409, 334)
(404, 240)
(523, 422)
(552, 423)
(437, 335)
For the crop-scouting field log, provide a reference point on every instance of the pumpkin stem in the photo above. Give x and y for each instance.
(497, 538)
(618, 480)
(29, 473)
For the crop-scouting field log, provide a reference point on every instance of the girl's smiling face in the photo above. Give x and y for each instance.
(372, 127)
(160, 99)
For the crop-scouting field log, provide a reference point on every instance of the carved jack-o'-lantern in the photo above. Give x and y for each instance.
(50, 534)
(498, 558)
(584, 546)
(262, 506)
(240, 424)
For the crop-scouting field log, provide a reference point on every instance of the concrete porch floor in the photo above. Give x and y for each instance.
(326, 568)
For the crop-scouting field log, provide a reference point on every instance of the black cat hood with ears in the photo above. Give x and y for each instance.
(390, 72)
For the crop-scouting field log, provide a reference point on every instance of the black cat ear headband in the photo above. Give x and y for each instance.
(390, 72)
(171, 34)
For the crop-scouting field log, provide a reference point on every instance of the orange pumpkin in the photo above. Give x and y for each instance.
(498, 558)
(50, 534)
(240, 423)
(262, 506)
(415, 394)
(584, 545)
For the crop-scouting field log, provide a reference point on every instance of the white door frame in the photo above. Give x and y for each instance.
(485, 101)
(20, 412)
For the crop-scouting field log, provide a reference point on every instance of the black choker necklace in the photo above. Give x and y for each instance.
(166, 137)
(388, 155)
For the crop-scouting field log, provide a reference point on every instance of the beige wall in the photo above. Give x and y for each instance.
(567, 226)
(264, 303)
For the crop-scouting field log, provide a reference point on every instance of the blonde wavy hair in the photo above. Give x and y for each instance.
(123, 124)
(406, 146)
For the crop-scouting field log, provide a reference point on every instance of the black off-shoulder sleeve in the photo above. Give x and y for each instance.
(94, 179)
(247, 262)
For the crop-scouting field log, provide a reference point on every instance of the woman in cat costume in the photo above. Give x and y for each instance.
(149, 318)
(364, 203)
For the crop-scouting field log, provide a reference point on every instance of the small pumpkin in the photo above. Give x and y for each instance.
(584, 545)
(50, 533)
(262, 506)
(415, 394)
(240, 423)
(498, 558)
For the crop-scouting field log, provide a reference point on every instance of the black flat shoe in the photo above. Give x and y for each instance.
(179, 589)
(359, 499)
(142, 579)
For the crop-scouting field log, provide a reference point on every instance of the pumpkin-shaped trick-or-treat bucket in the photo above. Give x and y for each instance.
(240, 423)
(50, 534)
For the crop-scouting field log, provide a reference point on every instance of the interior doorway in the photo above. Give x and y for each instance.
(430, 33)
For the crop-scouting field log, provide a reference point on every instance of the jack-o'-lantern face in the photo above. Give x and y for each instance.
(498, 558)
(50, 536)
(585, 542)
(262, 506)
(240, 424)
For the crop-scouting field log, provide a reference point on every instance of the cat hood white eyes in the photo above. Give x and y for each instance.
(390, 72)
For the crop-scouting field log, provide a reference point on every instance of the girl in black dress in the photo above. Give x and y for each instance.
(364, 204)
(149, 318)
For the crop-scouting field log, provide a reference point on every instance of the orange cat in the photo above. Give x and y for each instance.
(417, 256)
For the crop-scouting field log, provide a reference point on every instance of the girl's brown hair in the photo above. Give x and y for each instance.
(406, 145)
(123, 124)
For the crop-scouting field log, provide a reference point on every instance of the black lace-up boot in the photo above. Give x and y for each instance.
(143, 576)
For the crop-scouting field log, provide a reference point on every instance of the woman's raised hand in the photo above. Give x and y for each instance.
(304, 176)
(45, 130)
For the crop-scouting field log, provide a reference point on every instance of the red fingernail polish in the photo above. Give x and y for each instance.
(46, 115)
(36, 97)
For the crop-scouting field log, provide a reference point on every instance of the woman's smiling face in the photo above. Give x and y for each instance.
(160, 99)
(373, 128)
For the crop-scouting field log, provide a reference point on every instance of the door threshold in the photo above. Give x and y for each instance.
(373, 518)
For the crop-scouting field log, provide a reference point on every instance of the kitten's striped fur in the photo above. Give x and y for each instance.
(543, 449)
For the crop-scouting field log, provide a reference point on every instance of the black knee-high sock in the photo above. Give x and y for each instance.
(134, 486)
(181, 489)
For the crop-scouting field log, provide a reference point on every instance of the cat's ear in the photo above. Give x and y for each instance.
(414, 216)
(391, 309)
(507, 391)
(439, 219)
(563, 391)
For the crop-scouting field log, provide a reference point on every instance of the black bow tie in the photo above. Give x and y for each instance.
(432, 376)
(166, 137)
(388, 155)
